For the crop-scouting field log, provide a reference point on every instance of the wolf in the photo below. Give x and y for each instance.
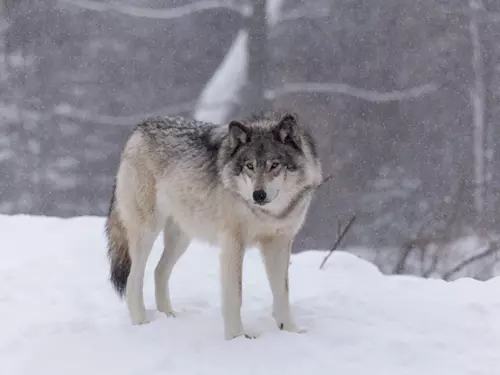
(246, 183)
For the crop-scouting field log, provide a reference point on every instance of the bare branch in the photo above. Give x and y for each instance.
(339, 239)
(164, 14)
(172, 110)
(407, 248)
(342, 88)
(304, 13)
(455, 204)
(326, 179)
(75, 113)
(438, 236)
(491, 250)
(433, 266)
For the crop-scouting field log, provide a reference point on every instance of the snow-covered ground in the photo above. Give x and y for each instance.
(59, 314)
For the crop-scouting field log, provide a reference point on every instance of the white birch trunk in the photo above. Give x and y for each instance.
(222, 91)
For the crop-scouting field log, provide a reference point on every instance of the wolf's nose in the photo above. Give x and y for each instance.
(259, 196)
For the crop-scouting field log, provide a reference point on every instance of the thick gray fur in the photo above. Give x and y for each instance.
(238, 185)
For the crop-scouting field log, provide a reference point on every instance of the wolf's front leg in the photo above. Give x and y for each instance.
(276, 255)
(231, 267)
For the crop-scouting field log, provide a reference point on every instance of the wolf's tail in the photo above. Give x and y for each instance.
(118, 254)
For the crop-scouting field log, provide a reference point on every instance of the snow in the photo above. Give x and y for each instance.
(61, 316)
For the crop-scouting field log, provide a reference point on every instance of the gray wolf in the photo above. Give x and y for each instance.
(237, 185)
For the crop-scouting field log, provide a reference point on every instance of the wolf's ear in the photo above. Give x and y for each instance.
(288, 131)
(238, 134)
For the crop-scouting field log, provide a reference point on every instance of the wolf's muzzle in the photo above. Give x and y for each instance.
(259, 196)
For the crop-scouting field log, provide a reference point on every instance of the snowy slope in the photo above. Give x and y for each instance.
(59, 315)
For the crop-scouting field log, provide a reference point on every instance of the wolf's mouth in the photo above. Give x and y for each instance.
(263, 203)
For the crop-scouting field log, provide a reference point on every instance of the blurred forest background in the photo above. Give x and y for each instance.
(402, 96)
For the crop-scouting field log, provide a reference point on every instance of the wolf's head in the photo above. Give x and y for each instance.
(269, 159)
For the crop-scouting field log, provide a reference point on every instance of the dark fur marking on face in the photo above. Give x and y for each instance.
(290, 165)
(287, 132)
(261, 149)
(238, 166)
(238, 135)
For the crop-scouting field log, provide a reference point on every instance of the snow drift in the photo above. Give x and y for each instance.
(60, 314)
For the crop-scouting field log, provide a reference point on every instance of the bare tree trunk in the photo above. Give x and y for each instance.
(254, 98)
(491, 82)
(4, 24)
(477, 94)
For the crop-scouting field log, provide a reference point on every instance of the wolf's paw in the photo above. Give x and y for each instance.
(141, 321)
(142, 317)
(246, 334)
(167, 310)
(165, 306)
(291, 327)
(170, 314)
(251, 335)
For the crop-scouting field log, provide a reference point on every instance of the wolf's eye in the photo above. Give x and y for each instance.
(249, 166)
(275, 165)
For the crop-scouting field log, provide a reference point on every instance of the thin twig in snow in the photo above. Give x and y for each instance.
(440, 236)
(492, 249)
(339, 239)
(325, 180)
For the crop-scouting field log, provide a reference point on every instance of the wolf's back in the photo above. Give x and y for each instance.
(118, 254)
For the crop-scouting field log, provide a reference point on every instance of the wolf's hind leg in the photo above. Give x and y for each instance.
(175, 244)
(141, 242)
